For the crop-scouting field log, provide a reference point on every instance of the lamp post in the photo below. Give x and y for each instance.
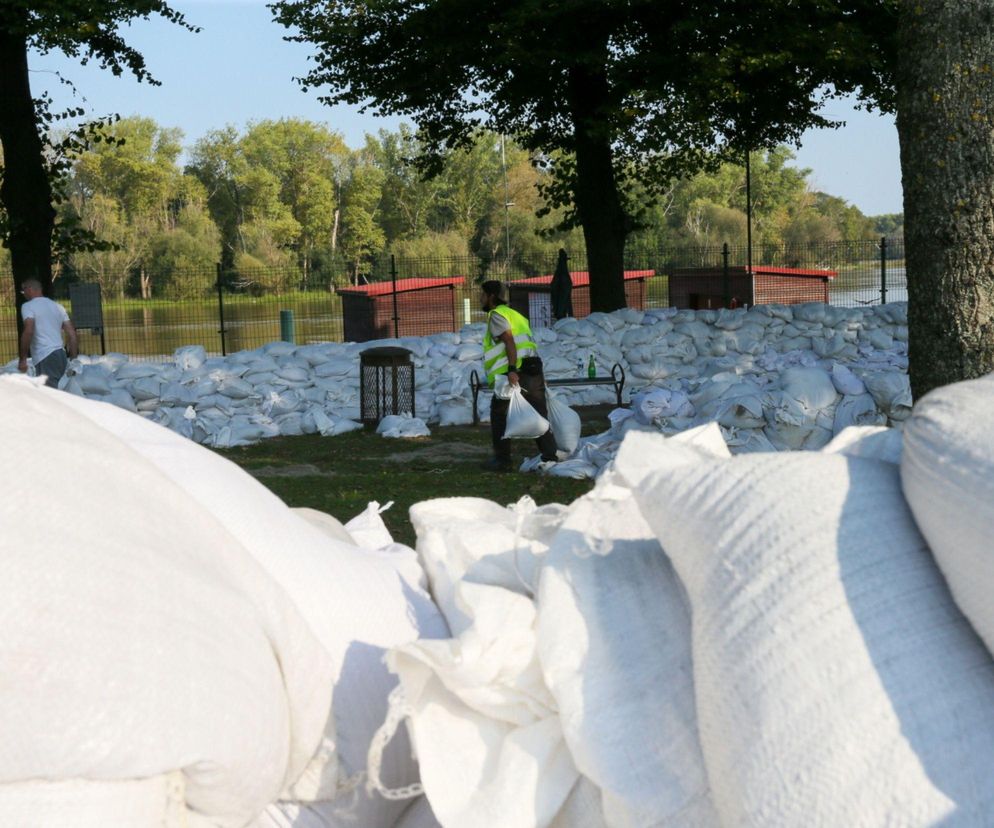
(507, 206)
(748, 215)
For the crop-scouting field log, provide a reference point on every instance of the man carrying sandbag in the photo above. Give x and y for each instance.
(508, 348)
(45, 322)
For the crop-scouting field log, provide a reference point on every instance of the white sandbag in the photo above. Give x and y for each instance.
(574, 469)
(290, 425)
(859, 410)
(404, 426)
(811, 387)
(331, 526)
(846, 382)
(94, 379)
(367, 529)
(87, 803)
(189, 357)
(453, 410)
(468, 352)
(892, 392)
(523, 421)
(122, 399)
(490, 750)
(334, 815)
(146, 388)
(175, 394)
(356, 604)
(175, 650)
(748, 441)
(137, 370)
(260, 378)
(565, 423)
(641, 452)
(659, 404)
(276, 403)
(614, 645)
(337, 367)
(279, 349)
(293, 373)
(947, 470)
(836, 682)
(873, 442)
(739, 405)
(235, 388)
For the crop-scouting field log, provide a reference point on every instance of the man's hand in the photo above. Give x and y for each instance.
(512, 377)
(22, 366)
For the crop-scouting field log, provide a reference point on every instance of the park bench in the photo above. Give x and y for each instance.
(616, 378)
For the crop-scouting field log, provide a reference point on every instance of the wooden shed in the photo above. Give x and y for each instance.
(423, 306)
(533, 297)
(708, 287)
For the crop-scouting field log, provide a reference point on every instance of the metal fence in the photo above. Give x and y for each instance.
(231, 311)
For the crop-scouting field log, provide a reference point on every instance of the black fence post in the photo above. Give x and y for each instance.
(725, 283)
(220, 311)
(393, 284)
(883, 270)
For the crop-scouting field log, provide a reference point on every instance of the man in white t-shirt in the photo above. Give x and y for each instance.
(44, 323)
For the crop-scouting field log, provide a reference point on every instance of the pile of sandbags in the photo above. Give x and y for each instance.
(181, 648)
(726, 366)
(708, 639)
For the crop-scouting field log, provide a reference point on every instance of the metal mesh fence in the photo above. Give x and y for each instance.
(232, 311)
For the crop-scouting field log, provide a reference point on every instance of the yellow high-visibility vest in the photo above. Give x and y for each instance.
(495, 353)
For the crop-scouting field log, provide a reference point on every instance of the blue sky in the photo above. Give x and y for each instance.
(239, 69)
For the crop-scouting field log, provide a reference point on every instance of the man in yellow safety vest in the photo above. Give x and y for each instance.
(508, 348)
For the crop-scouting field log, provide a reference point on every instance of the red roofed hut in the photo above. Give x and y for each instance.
(708, 287)
(424, 306)
(533, 296)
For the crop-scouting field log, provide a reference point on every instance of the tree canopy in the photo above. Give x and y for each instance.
(89, 30)
(608, 91)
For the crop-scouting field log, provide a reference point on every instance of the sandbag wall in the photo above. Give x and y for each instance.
(723, 365)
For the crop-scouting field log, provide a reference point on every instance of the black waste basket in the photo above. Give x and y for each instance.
(386, 383)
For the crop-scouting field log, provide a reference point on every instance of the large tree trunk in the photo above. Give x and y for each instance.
(946, 127)
(598, 202)
(26, 192)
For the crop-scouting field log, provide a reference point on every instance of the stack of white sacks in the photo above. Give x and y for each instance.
(770, 639)
(791, 638)
(726, 366)
(179, 648)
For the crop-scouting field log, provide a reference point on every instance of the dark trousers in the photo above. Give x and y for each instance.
(533, 385)
(53, 366)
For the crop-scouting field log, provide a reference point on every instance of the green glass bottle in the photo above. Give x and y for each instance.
(591, 367)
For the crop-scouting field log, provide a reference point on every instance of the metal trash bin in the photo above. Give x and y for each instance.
(386, 384)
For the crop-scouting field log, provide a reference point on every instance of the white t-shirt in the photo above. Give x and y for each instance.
(48, 317)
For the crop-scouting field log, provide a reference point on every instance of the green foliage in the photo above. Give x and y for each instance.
(185, 256)
(245, 203)
(669, 88)
(362, 237)
(888, 224)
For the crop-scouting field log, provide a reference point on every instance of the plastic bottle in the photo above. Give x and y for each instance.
(591, 368)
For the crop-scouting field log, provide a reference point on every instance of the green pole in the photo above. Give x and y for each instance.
(286, 325)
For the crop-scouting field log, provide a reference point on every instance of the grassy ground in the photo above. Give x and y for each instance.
(340, 475)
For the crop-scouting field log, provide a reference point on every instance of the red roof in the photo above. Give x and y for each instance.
(582, 278)
(403, 285)
(793, 271)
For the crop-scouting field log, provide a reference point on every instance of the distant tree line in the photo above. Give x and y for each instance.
(289, 202)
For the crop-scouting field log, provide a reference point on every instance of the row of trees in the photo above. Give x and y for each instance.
(288, 200)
